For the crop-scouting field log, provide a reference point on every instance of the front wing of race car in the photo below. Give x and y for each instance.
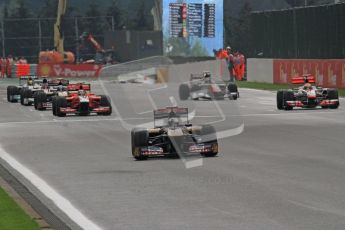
(69, 110)
(186, 148)
(313, 104)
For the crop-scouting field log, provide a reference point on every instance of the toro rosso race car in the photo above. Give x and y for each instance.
(307, 95)
(204, 87)
(173, 135)
(81, 103)
(24, 92)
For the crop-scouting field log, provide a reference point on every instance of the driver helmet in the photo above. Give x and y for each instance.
(30, 81)
(60, 86)
(81, 91)
(307, 86)
(207, 76)
(45, 83)
(173, 121)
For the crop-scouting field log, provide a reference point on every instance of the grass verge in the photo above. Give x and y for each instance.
(274, 87)
(12, 217)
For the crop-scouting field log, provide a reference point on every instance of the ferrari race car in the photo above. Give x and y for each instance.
(307, 95)
(81, 103)
(204, 87)
(173, 135)
(24, 92)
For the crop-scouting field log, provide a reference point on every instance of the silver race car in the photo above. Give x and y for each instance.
(202, 86)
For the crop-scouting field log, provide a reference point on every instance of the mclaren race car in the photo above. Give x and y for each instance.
(173, 135)
(307, 95)
(204, 87)
(81, 103)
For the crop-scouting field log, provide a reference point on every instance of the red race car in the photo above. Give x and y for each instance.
(82, 102)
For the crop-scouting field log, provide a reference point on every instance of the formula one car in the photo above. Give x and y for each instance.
(28, 85)
(203, 87)
(44, 99)
(307, 95)
(81, 103)
(173, 135)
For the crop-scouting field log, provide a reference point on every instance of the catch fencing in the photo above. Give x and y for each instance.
(27, 37)
(303, 33)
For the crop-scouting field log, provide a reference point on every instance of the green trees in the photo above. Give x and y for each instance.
(141, 21)
(115, 12)
(237, 30)
(14, 29)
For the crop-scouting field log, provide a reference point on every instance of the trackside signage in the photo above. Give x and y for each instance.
(328, 73)
(69, 70)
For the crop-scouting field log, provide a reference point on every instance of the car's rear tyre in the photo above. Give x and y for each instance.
(60, 102)
(184, 92)
(288, 96)
(40, 99)
(106, 102)
(233, 91)
(12, 91)
(209, 136)
(140, 138)
(280, 100)
(332, 94)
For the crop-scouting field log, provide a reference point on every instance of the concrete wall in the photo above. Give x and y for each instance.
(182, 72)
(260, 70)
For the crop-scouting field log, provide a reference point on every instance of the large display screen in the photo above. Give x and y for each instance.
(192, 27)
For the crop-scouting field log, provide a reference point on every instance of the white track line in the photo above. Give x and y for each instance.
(61, 202)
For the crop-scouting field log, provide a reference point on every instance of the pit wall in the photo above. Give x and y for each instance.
(328, 73)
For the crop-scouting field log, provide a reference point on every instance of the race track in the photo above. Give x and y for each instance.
(285, 171)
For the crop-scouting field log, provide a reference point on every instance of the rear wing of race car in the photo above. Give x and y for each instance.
(79, 86)
(33, 77)
(304, 79)
(170, 111)
(194, 77)
(56, 82)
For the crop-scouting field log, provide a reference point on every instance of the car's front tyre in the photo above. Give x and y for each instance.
(140, 138)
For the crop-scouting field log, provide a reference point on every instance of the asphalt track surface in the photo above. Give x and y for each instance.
(285, 171)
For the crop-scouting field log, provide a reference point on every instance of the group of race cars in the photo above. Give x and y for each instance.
(59, 95)
(172, 134)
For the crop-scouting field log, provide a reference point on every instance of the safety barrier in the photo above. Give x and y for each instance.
(18, 70)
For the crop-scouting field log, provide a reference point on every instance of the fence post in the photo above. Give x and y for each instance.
(112, 24)
(295, 33)
(39, 35)
(3, 38)
(77, 38)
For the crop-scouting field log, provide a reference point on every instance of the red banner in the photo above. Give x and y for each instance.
(69, 70)
(328, 73)
(22, 70)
